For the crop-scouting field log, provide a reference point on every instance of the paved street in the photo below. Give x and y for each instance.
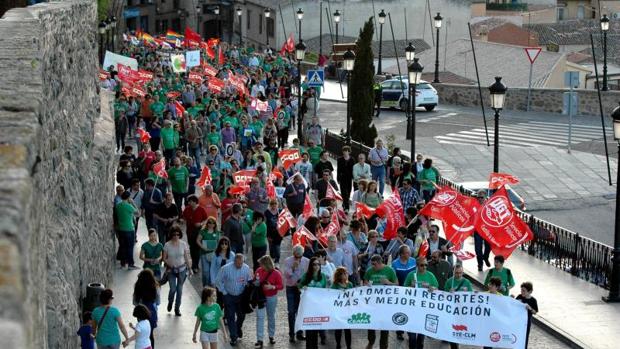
(570, 190)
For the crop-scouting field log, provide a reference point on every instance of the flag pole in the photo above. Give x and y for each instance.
(154, 187)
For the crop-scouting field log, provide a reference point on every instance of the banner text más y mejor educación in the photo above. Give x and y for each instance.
(480, 319)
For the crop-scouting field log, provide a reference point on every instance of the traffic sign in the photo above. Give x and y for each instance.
(532, 53)
(316, 78)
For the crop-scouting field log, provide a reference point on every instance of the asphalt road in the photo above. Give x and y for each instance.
(590, 216)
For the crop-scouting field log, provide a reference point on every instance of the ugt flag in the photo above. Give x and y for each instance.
(497, 179)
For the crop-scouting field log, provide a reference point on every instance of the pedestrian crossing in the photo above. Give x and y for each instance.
(527, 134)
(438, 117)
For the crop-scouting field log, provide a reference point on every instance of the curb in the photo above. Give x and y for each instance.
(333, 100)
(545, 325)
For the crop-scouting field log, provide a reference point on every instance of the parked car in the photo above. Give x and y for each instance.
(395, 94)
(515, 198)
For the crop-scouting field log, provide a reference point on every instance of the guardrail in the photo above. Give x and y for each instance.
(564, 249)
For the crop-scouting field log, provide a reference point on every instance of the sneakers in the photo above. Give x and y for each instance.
(300, 337)
(258, 344)
(272, 340)
(233, 342)
(486, 262)
(169, 308)
(291, 339)
(177, 313)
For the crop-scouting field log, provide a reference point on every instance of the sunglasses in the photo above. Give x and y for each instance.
(316, 264)
(210, 222)
(224, 243)
(423, 265)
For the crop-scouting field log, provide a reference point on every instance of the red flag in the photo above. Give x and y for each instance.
(220, 56)
(244, 176)
(308, 209)
(160, 169)
(216, 85)
(179, 108)
(423, 251)
(173, 94)
(195, 78)
(455, 210)
(137, 91)
(127, 75)
(286, 221)
(238, 189)
(144, 136)
(103, 75)
(331, 193)
(332, 229)
(271, 190)
(205, 177)
(496, 180)
(498, 224)
(191, 37)
(302, 236)
(322, 60)
(145, 75)
(361, 210)
(392, 208)
(237, 83)
(289, 157)
(209, 70)
(288, 46)
(213, 42)
(461, 254)
(210, 52)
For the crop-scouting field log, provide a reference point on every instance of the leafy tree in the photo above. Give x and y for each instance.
(361, 92)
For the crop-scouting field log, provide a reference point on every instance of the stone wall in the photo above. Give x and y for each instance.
(543, 100)
(56, 173)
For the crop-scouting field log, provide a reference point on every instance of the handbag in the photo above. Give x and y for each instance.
(101, 321)
(257, 295)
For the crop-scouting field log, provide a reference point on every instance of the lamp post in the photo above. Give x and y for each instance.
(300, 53)
(409, 56)
(614, 283)
(349, 62)
(337, 20)
(216, 11)
(381, 16)
(604, 29)
(108, 29)
(498, 92)
(198, 10)
(239, 13)
(267, 15)
(113, 23)
(320, 29)
(101, 29)
(415, 76)
(300, 16)
(437, 19)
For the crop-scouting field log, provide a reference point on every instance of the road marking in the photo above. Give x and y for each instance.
(576, 136)
(561, 124)
(461, 142)
(515, 136)
(437, 117)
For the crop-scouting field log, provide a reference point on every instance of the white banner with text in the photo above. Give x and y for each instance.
(473, 318)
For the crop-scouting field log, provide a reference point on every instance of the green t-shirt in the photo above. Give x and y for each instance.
(107, 331)
(125, 216)
(313, 283)
(315, 154)
(246, 221)
(167, 137)
(377, 276)
(259, 236)
(193, 111)
(158, 108)
(340, 287)
(119, 107)
(458, 285)
(257, 126)
(209, 240)
(214, 138)
(209, 316)
(179, 179)
(505, 275)
(430, 175)
(152, 252)
(427, 278)
(234, 122)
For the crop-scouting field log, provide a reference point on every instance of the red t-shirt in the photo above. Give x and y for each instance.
(193, 216)
(227, 205)
(149, 158)
(274, 279)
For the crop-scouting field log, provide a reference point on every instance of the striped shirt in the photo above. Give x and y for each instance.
(232, 280)
(291, 277)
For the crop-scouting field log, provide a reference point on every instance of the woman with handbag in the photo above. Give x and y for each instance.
(107, 321)
(269, 282)
(222, 256)
(146, 292)
(178, 266)
(207, 241)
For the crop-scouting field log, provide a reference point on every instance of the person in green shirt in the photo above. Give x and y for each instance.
(157, 107)
(124, 212)
(168, 140)
(458, 282)
(107, 327)
(246, 224)
(428, 178)
(207, 241)
(313, 276)
(379, 274)
(214, 138)
(209, 318)
(422, 277)
(121, 106)
(257, 126)
(504, 274)
(296, 145)
(315, 152)
(151, 253)
(259, 238)
(178, 179)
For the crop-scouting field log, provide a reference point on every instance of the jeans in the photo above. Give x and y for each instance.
(178, 201)
(233, 312)
(205, 269)
(126, 242)
(195, 153)
(274, 251)
(270, 308)
(169, 154)
(257, 252)
(482, 248)
(347, 337)
(111, 346)
(383, 338)
(416, 340)
(176, 282)
(378, 174)
(292, 304)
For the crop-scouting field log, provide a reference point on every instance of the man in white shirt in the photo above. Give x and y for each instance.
(334, 254)
(378, 157)
(361, 170)
(349, 260)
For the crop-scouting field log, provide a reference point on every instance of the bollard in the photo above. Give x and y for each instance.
(91, 301)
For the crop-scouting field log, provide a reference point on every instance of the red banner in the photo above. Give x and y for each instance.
(127, 75)
(160, 169)
(216, 85)
(289, 157)
(144, 136)
(498, 224)
(173, 94)
(103, 75)
(195, 78)
(392, 209)
(180, 109)
(145, 75)
(462, 255)
(244, 176)
(361, 210)
(213, 42)
(205, 177)
(209, 70)
(302, 236)
(455, 210)
(138, 91)
(331, 193)
(497, 180)
(237, 83)
(286, 221)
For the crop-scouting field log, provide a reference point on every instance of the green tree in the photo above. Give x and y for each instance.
(102, 9)
(361, 93)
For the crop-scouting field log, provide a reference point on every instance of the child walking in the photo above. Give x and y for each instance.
(209, 318)
(142, 328)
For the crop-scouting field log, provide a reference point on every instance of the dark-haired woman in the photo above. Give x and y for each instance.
(341, 282)
(223, 255)
(107, 322)
(428, 178)
(209, 317)
(178, 265)
(313, 278)
(146, 292)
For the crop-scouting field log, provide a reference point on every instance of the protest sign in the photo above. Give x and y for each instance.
(178, 63)
(114, 59)
(192, 58)
(477, 319)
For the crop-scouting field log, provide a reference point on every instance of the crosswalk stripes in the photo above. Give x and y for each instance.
(527, 134)
(436, 117)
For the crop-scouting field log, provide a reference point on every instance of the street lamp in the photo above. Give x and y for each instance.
(108, 30)
(113, 32)
(300, 53)
(614, 283)
(300, 16)
(381, 16)
(102, 27)
(267, 15)
(409, 56)
(604, 29)
(216, 11)
(437, 20)
(349, 62)
(415, 76)
(337, 20)
(198, 10)
(239, 13)
(498, 92)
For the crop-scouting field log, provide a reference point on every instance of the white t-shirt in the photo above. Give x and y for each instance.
(143, 332)
(349, 250)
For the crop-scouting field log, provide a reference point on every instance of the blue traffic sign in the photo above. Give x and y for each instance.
(315, 78)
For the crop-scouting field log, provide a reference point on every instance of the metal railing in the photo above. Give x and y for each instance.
(564, 249)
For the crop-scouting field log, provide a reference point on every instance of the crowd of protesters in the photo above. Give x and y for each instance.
(228, 235)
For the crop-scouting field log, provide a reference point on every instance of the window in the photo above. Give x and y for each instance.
(561, 13)
(260, 24)
(144, 23)
(581, 11)
(248, 17)
(176, 24)
(175, 4)
(271, 26)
